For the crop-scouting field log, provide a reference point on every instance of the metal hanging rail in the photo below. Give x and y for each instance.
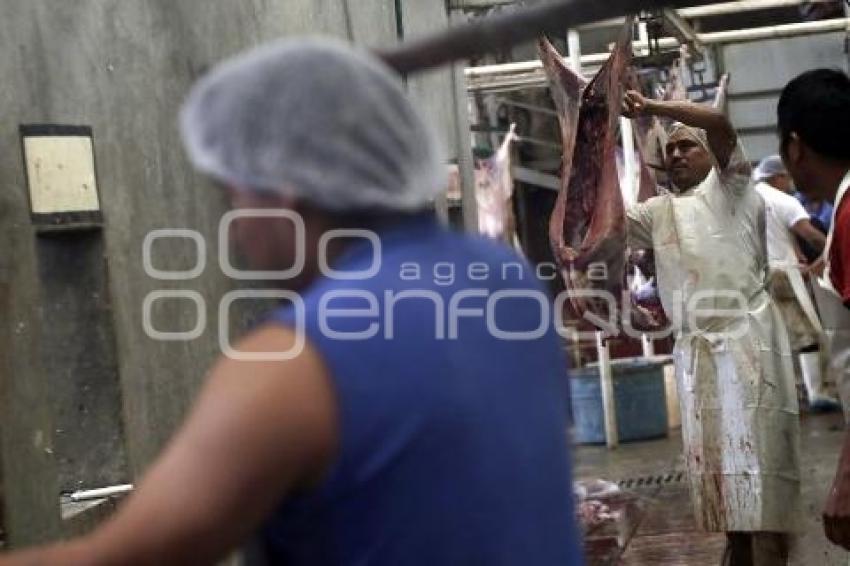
(529, 74)
(720, 9)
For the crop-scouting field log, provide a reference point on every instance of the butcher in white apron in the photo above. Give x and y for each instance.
(814, 127)
(736, 386)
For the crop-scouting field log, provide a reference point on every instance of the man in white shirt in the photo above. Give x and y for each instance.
(786, 218)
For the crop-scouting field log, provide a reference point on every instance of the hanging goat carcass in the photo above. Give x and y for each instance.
(588, 225)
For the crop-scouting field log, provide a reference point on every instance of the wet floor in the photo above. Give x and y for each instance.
(656, 523)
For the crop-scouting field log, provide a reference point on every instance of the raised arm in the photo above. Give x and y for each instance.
(722, 138)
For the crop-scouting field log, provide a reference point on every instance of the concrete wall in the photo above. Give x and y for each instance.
(123, 68)
(759, 70)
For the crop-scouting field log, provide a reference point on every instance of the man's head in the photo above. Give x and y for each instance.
(814, 128)
(313, 126)
(688, 160)
(771, 170)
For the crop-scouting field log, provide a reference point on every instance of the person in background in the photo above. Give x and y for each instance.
(360, 423)
(771, 171)
(814, 129)
(820, 216)
(819, 210)
(786, 218)
(775, 185)
(740, 421)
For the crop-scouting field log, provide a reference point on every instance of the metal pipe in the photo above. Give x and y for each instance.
(574, 50)
(760, 33)
(534, 177)
(606, 384)
(774, 32)
(628, 188)
(499, 32)
(718, 37)
(526, 106)
(847, 33)
(643, 37)
(102, 492)
(466, 166)
(647, 345)
(528, 66)
(682, 29)
(719, 9)
(725, 8)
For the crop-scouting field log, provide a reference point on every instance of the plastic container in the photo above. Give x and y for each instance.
(639, 398)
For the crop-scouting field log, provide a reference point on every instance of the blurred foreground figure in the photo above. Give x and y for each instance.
(740, 423)
(378, 417)
(814, 125)
(786, 218)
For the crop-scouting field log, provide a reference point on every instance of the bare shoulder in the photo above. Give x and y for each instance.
(272, 350)
(280, 362)
(279, 380)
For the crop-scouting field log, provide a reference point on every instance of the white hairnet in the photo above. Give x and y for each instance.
(678, 129)
(315, 119)
(769, 167)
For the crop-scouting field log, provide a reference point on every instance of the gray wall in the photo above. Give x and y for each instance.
(760, 69)
(123, 68)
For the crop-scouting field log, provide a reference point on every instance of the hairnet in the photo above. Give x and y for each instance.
(679, 130)
(769, 167)
(315, 119)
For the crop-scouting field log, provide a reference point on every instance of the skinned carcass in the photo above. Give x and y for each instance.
(651, 131)
(494, 191)
(588, 225)
(721, 92)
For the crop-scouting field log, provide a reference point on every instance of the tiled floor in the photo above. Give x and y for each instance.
(658, 526)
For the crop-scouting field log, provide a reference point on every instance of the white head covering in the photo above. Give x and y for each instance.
(770, 166)
(679, 129)
(315, 119)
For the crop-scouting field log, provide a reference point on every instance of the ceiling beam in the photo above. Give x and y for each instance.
(477, 4)
(529, 74)
(719, 9)
(682, 30)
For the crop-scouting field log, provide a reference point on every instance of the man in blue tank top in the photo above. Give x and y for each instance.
(407, 402)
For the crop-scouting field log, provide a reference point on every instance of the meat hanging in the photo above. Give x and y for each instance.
(609, 284)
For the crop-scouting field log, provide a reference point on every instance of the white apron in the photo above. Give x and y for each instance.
(789, 291)
(835, 317)
(737, 393)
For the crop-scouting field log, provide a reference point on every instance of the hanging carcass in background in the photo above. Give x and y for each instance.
(720, 93)
(651, 131)
(588, 224)
(493, 191)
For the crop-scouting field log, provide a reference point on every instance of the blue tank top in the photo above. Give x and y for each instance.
(452, 393)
